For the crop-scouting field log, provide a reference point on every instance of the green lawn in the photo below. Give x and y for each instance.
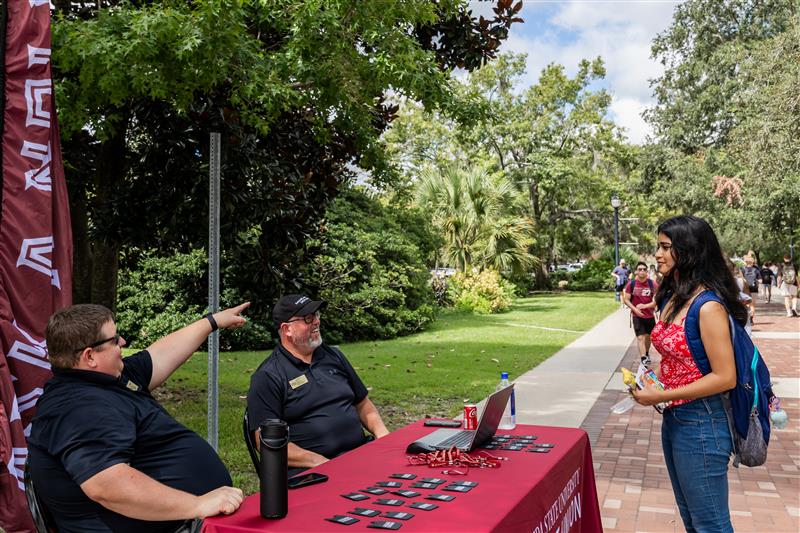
(458, 359)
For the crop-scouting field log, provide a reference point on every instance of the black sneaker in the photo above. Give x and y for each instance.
(794, 312)
(646, 361)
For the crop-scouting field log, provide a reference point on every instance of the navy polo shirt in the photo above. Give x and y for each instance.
(88, 421)
(317, 400)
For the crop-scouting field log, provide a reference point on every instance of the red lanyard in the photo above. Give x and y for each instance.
(455, 457)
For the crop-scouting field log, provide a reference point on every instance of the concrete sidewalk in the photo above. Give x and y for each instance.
(562, 390)
(577, 386)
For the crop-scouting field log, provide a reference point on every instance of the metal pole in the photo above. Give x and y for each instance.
(213, 287)
(616, 243)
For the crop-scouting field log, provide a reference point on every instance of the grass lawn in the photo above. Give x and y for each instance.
(457, 360)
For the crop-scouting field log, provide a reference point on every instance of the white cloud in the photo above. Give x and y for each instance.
(628, 114)
(618, 31)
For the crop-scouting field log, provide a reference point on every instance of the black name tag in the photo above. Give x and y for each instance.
(424, 485)
(389, 501)
(403, 476)
(406, 493)
(440, 497)
(360, 511)
(390, 484)
(465, 483)
(399, 515)
(436, 480)
(356, 497)
(341, 519)
(424, 506)
(384, 524)
(374, 490)
(457, 488)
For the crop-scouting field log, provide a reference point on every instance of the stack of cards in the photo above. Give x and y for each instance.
(382, 488)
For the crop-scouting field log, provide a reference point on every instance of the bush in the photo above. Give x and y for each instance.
(368, 264)
(158, 295)
(524, 282)
(483, 292)
(595, 275)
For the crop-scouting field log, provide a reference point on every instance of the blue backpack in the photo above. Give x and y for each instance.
(750, 398)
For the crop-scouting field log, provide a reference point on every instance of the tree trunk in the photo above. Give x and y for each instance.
(110, 173)
(81, 248)
(105, 257)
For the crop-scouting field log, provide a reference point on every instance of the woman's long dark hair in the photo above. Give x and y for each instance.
(698, 261)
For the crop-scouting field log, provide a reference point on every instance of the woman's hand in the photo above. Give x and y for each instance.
(649, 395)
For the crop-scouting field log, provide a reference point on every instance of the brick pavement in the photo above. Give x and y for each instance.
(633, 487)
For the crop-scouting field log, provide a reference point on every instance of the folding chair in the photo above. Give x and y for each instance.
(42, 519)
(250, 443)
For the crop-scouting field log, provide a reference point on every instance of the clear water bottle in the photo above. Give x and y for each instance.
(509, 420)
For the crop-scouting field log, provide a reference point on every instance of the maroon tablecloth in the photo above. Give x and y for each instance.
(532, 492)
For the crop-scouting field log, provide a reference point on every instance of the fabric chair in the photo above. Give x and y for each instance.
(42, 519)
(250, 443)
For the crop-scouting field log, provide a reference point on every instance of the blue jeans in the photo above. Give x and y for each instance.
(697, 444)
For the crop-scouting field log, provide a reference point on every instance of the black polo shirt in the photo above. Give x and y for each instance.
(88, 421)
(317, 400)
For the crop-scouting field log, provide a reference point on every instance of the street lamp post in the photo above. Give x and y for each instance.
(616, 203)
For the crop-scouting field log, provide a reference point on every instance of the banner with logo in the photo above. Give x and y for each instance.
(35, 240)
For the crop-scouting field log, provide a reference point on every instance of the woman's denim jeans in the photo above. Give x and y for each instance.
(697, 445)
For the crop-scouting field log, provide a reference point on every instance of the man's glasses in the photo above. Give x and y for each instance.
(308, 319)
(644, 269)
(115, 338)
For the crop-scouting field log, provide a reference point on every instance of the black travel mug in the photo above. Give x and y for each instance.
(273, 468)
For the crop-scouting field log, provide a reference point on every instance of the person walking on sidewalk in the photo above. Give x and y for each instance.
(787, 283)
(766, 281)
(638, 295)
(751, 275)
(620, 274)
(695, 434)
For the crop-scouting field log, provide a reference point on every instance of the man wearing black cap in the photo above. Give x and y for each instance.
(312, 387)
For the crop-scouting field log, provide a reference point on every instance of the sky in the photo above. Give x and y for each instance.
(619, 31)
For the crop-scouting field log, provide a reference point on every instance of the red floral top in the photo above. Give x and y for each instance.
(677, 364)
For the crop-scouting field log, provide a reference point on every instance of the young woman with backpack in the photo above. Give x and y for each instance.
(695, 434)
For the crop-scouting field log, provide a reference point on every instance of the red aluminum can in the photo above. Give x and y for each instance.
(470, 416)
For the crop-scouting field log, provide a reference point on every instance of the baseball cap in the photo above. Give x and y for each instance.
(294, 305)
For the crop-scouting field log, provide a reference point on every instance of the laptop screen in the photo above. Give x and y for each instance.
(492, 413)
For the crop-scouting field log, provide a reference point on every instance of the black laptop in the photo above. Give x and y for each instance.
(467, 440)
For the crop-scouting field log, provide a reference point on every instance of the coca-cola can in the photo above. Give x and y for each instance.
(470, 416)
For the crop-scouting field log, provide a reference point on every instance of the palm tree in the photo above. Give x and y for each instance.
(476, 216)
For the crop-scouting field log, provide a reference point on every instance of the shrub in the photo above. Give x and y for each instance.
(483, 292)
(595, 275)
(158, 295)
(368, 264)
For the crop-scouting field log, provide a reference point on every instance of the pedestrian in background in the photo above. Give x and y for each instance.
(621, 274)
(787, 282)
(695, 434)
(767, 279)
(639, 295)
(752, 277)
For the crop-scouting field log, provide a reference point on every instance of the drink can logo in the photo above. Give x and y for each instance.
(470, 416)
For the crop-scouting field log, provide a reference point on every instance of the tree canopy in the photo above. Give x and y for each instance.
(297, 88)
(726, 121)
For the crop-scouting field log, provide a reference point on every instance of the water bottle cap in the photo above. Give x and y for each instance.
(274, 428)
(503, 375)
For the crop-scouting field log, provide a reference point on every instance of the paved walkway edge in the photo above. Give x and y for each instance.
(562, 390)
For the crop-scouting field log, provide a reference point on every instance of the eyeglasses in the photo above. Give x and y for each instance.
(308, 319)
(643, 269)
(115, 338)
